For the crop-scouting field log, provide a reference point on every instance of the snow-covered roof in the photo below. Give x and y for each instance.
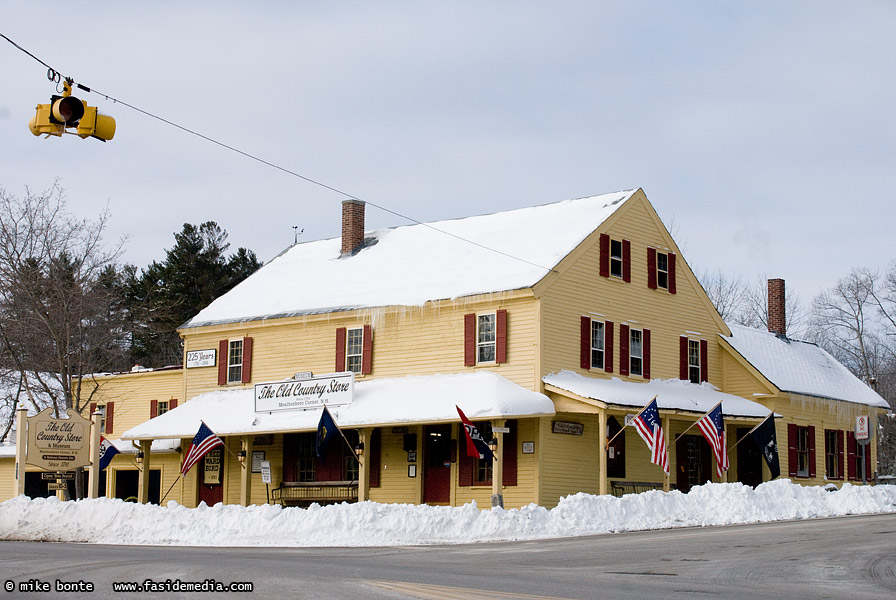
(671, 394)
(800, 367)
(423, 399)
(410, 265)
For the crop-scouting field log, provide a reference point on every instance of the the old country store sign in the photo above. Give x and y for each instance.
(58, 444)
(330, 390)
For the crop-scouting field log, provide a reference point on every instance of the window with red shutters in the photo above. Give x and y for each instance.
(485, 338)
(473, 471)
(800, 450)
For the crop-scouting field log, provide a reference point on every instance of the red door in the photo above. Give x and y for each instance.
(437, 464)
(212, 468)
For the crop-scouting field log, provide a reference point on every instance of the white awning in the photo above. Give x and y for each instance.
(378, 402)
(671, 394)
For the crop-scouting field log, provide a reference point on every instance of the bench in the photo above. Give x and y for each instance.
(305, 493)
(621, 488)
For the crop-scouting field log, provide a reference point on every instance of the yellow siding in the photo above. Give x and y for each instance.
(395, 485)
(568, 463)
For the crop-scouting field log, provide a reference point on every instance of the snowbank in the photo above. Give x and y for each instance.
(109, 521)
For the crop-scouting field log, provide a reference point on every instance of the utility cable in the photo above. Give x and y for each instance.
(53, 75)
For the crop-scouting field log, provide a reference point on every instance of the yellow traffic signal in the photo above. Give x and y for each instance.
(67, 111)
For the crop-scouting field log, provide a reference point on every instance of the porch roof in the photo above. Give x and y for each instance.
(379, 402)
(671, 394)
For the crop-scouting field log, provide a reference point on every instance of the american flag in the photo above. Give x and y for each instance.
(647, 422)
(204, 441)
(713, 428)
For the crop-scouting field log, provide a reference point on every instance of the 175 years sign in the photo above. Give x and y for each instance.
(58, 444)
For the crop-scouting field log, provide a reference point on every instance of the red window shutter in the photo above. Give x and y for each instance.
(367, 351)
(671, 273)
(464, 462)
(851, 454)
(683, 358)
(645, 362)
(624, 358)
(811, 451)
(608, 346)
(508, 474)
(172, 404)
(470, 340)
(501, 336)
(153, 409)
(585, 343)
(791, 449)
(222, 362)
(247, 360)
(840, 454)
(340, 349)
(704, 361)
(604, 255)
(626, 261)
(290, 444)
(92, 408)
(651, 268)
(373, 470)
(110, 409)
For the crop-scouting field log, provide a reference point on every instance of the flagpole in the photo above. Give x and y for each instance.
(169, 489)
(607, 445)
(746, 435)
(695, 422)
(345, 439)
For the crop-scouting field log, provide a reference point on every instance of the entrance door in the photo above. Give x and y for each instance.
(437, 464)
(211, 491)
(749, 460)
(694, 458)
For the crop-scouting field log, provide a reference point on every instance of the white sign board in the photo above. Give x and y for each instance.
(266, 471)
(862, 428)
(201, 358)
(330, 390)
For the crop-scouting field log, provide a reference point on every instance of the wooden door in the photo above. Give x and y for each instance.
(211, 489)
(437, 464)
(694, 459)
(749, 460)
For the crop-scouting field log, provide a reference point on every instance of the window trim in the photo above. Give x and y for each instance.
(358, 356)
(662, 274)
(487, 343)
(603, 345)
(231, 366)
(695, 372)
(631, 352)
(616, 260)
(833, 457)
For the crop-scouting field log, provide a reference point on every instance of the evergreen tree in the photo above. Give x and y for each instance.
(167, 294)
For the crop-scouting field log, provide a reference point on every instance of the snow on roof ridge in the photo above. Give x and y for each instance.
(800, 367)
(310, 277)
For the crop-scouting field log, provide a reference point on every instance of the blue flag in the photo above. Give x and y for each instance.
(107, 452)
(326, 429)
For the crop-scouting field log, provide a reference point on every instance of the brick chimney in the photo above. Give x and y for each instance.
(777, 315)
(352, 226)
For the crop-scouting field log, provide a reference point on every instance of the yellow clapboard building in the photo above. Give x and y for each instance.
(550, 327)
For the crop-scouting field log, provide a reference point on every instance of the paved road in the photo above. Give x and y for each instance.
(852, 557)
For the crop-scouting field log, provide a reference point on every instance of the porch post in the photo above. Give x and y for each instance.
(93, 476)
(602, 451)
(143, 477)
(667, 423)
(364, 436)
(246, 472)
(21, 437)
(498, 466)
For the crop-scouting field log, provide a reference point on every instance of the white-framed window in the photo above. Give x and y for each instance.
(102, 410)
(163, 407)
(597, 344)
(662, 270)
(354, 349)
(636, 352)
(802, 451)
(694, 361)
(235, 361)
(832, 453)
(486, 338)
(616, 258)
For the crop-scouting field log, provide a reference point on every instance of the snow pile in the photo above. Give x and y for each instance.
(110, 521)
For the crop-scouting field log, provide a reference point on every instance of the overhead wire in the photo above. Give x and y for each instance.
(52, 74)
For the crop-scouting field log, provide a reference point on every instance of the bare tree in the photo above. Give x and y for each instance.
(58, 316)
(742, 303)
(728, 294)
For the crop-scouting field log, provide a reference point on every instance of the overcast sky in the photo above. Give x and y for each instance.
(762, 132)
